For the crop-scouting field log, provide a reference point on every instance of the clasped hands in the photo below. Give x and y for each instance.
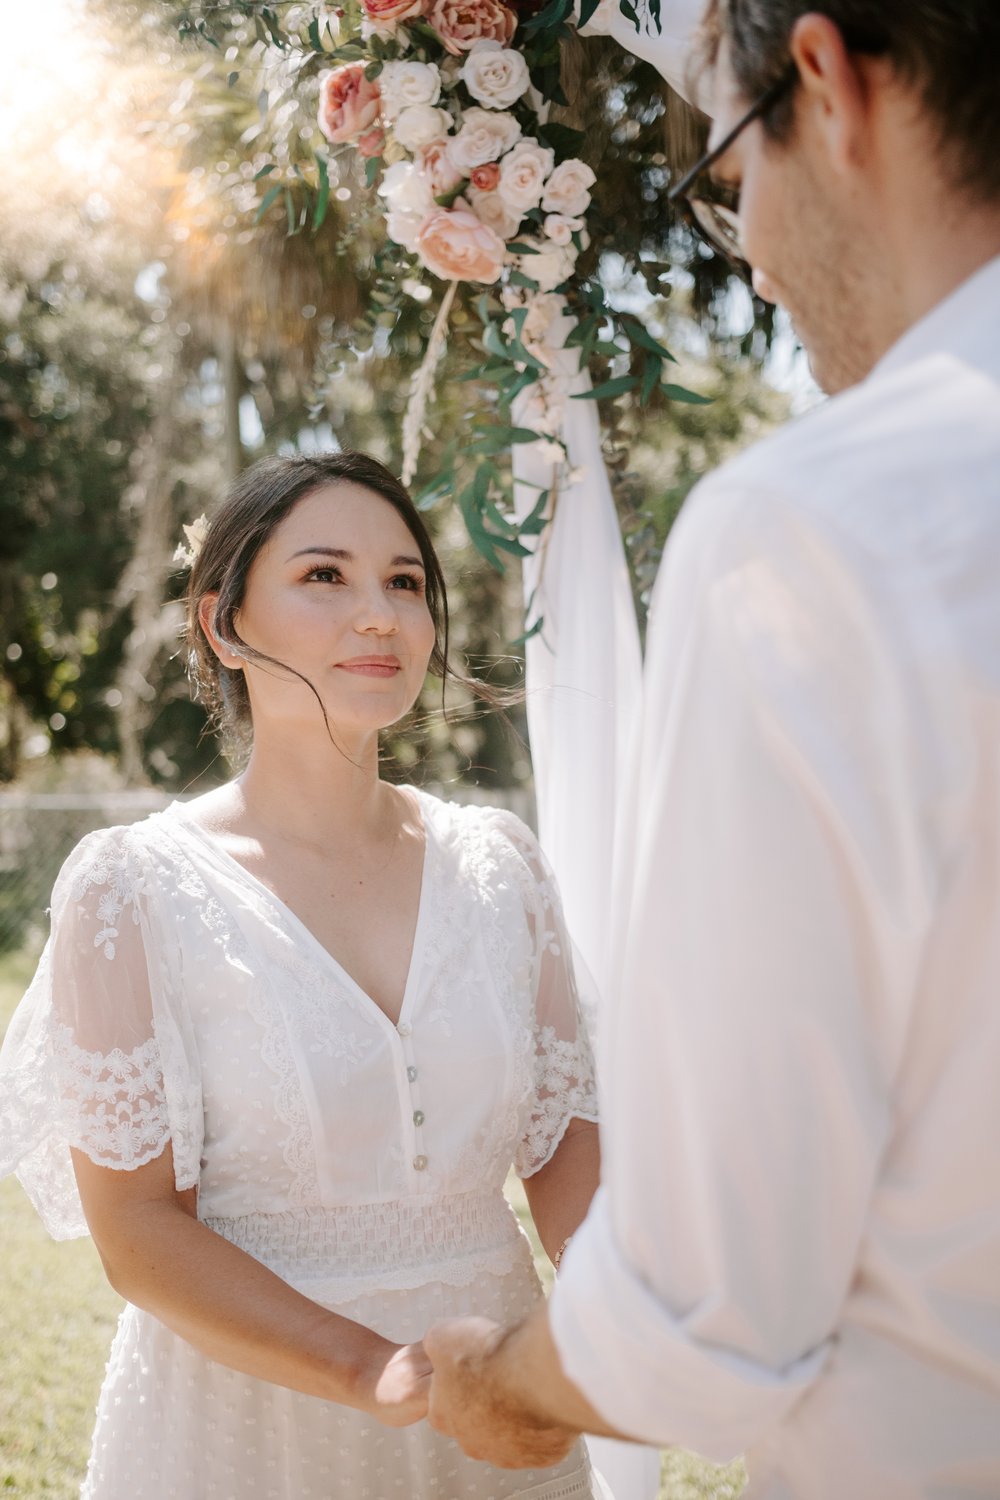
(468, 1399)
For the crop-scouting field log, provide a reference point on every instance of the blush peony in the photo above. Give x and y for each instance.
(457, 246)
(348, 103)
(462, 23)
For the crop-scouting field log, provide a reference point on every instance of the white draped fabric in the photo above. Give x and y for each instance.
(584, 679)
(584, 672)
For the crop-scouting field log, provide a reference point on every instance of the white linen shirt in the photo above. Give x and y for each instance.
(795, 1253)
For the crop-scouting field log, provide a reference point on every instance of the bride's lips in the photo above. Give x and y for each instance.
(371, 666)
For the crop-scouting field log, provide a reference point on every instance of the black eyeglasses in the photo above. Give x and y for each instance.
(716, 210)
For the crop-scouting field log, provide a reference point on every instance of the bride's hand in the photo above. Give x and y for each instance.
(400, 1386)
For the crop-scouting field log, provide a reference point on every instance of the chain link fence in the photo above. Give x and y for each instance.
(38, 830)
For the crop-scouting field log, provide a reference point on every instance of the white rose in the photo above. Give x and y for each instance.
(523, 172)
(494, 75)
(568, 189)
(561, 230)
(384, 30)
(485, 136)
(420, 124)
(404, 225)
(406, 190)
(491, 209)
(403, 84)
(550, 265)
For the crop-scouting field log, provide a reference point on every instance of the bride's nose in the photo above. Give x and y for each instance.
(376, 612)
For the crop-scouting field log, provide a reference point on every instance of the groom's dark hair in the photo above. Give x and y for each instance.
(949, 50)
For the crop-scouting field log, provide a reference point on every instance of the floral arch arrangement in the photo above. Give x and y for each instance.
(456, 110)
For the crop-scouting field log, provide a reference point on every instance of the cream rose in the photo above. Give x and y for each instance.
(491, 208)
(560, 229)
(348, 103)
(434, 161)
(496, 76)
(404, 225)
(405, 189)
(419, 125)
(457, 246)
(550, 265)
(403, 84)
(484, 136)
(568, 189)
(462, 23)
(523, 172)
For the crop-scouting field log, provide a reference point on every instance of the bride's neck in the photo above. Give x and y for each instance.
(314, 792)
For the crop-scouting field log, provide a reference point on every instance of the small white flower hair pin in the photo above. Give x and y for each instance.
(187, 552)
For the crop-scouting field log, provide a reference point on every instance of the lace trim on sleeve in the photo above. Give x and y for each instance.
(114, 1103)
(567, 1091)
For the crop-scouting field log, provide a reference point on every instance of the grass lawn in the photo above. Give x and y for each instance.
(57, 1317)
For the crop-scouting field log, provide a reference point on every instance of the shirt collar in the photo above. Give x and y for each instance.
(964, 323)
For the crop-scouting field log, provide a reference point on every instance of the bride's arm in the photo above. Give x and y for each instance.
(559, 1193)
(157, 1255)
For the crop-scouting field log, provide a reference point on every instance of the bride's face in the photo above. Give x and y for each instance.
(337, 594)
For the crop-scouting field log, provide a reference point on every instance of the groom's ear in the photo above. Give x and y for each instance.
(834, 91)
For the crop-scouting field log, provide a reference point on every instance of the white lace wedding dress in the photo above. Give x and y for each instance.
(179, 1000)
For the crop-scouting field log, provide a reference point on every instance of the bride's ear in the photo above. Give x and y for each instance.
(206, 619)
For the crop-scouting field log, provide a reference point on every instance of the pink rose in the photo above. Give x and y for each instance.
(372, 142)
(462, 23)
(383, 11)
(348, 103)
(457, 246)
(486, 177)
(438, 167)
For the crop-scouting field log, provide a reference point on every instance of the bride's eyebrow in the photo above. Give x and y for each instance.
(345, 556)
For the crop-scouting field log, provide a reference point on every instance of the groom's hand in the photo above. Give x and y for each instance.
(471, 1401)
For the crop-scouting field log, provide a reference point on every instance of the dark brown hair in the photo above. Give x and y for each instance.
(948, 49)
(257, 503)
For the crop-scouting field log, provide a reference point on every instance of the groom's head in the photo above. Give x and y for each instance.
(870, 180)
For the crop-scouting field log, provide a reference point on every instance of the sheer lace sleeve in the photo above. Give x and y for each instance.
(563, 1082)
(84, 1061)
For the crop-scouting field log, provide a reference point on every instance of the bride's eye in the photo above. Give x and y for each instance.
(412, 581)
(323, 575)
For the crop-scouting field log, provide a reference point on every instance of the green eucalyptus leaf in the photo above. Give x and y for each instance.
(530, 633)
(652, 370)
(620, 386)
(267, 200)
(587, 9)
(681, 393)
(265, 171)
(372, 168)
(323, 195)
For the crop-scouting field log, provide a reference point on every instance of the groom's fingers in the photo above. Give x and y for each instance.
(449, 1341)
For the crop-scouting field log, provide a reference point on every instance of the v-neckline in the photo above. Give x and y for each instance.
(294, 921)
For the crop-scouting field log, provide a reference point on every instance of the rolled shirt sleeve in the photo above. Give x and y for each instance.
(775, 886)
